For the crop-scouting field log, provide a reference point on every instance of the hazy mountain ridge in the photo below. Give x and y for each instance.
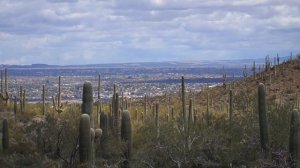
(204, 63)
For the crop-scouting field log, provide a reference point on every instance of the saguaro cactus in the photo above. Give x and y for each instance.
(104, 124)
(245, 72)
(224, 77)
(263, 120)
(254, 70)
(6, 84)
(87, 108)
(24, 100)
(116, 116)
(294, 147)
(5, 136)
(183, 102)
(85, 139)
(43, 99)
(157, 119)
(57, 99)
(207, 109)
(191, 115)
(21, 99)
(15, 108)
(172, 114)
(145, 108)
(4, 91)
(230, 106)
(99, 104)
(87, 101)
(126, 135)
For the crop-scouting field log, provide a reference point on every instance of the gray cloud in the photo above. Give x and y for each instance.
(94, 31)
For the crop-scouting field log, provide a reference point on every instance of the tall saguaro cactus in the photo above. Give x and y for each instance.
(24, 100)
(254, 70)
(183, 102)
(191, 115)
(145, 108)
(21, 99)
(116, 116)
(263, 120)
(294, 146)
(57, 99)
(230, 106)
(2, 86)
(15, 108)
(99, 104)
(189, 126)
(4, 89)
(5, 137)
(6, 80)
(157, 119)
(224, 77)
(87, 101)
(85, 139)
(104, 124)
(126, 135)
(43, 99)
(207, 109)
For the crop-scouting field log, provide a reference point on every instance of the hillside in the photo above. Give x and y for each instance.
(215, 131)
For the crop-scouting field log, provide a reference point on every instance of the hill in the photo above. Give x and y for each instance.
(191, 129)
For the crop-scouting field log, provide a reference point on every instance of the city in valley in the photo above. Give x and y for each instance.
(133, 80)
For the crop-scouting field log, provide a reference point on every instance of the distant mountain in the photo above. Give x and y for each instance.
(238, 63)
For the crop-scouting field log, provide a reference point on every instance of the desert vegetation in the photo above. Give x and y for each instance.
(252, 122)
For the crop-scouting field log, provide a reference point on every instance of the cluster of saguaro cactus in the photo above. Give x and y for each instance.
(267, 63)
(5, 135)
(87, 135)
(57, 105)
(263, 120)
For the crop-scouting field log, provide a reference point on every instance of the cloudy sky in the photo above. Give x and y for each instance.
(106, 31)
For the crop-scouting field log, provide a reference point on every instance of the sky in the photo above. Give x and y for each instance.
(118, 31)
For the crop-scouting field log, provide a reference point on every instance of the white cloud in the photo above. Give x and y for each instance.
(116, 30)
